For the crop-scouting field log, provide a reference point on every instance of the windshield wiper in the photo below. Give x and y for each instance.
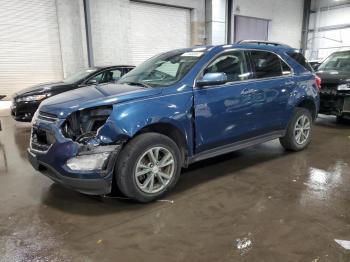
(137, 84)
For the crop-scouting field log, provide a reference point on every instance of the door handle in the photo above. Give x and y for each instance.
(289, 83)
(247, 91)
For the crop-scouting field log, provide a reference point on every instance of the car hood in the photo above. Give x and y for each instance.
(334, 76)
(41, 88)
(92, 96)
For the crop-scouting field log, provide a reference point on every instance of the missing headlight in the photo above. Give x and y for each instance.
(82, 126)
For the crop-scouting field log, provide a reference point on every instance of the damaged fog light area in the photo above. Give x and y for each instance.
(88, 162)
(91, 159)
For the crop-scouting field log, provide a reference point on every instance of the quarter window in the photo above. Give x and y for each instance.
(267, 64)
(298, 57)
(233, 64)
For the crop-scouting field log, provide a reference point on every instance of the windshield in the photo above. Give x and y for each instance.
(162, 70)
(79, 75)
(337, 61)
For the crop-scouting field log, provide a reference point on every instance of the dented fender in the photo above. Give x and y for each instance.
(129, 118)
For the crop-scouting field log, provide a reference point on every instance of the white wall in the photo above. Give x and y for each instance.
(321, 41)
(286, 17)
(216, 21)
(110, 23)
(109, 29)
(71, 23)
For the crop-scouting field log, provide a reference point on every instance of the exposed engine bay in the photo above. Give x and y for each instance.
(82, 126)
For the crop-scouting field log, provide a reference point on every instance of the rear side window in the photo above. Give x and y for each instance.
(298, 57)
(266, 64)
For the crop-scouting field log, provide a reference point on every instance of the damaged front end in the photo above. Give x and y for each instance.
(94, 153)
(77, 151)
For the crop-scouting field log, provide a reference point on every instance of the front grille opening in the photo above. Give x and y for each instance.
(41, 140)
(84, 122)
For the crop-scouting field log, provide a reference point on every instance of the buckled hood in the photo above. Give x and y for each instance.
(93, 96)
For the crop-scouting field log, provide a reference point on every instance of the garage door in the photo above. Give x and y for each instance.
(154, 29)
(251, 28)
(29, 44)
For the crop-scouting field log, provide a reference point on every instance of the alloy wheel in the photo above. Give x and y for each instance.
(154, 170)
(302, 129)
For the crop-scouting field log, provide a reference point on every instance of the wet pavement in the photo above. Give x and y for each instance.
(257, 204)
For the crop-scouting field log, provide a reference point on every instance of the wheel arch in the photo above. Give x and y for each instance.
(171, 131)
(310, 105)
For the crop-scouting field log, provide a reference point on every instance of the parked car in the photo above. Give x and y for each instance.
(174, 109)
(27, 101)
(315, 64)
(335, 87)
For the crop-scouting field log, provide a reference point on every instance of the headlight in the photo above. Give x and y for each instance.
(32, 98)
(343, 87)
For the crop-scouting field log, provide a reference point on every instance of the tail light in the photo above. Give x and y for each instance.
(318, 82)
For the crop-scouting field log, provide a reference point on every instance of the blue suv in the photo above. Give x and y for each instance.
(176, 108)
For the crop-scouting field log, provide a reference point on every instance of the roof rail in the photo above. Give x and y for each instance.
(261, 42)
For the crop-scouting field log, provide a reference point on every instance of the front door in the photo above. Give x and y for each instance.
(224, 113)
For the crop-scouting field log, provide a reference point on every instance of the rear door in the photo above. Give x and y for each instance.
(273, 84)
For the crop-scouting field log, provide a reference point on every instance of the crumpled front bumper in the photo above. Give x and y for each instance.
(51, 161)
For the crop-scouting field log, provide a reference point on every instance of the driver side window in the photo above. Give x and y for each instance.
(233, 64)
(97, 78)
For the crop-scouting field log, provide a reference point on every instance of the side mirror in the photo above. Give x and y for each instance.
(92, 82)
(210, 79)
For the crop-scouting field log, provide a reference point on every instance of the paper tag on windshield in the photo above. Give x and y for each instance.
(193, 54)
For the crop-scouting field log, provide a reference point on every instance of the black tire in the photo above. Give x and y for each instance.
(127, 161)
(289, 141)
(341, 120)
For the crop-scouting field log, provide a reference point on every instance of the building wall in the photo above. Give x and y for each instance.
(285, 17)
(110, 24)
(71, 23)
(197, 17)
(329, 29)
(109, 29)
(216, 22)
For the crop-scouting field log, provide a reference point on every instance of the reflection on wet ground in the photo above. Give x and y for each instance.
(257, 204)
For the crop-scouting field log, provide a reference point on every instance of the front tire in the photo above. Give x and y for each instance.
(298, 135)
(148, 167)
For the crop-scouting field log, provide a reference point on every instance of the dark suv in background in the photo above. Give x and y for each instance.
(176, 108)
(335, 87)
(27, 101)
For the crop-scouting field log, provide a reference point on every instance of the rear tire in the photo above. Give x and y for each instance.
(299, 131)
(148, 167)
